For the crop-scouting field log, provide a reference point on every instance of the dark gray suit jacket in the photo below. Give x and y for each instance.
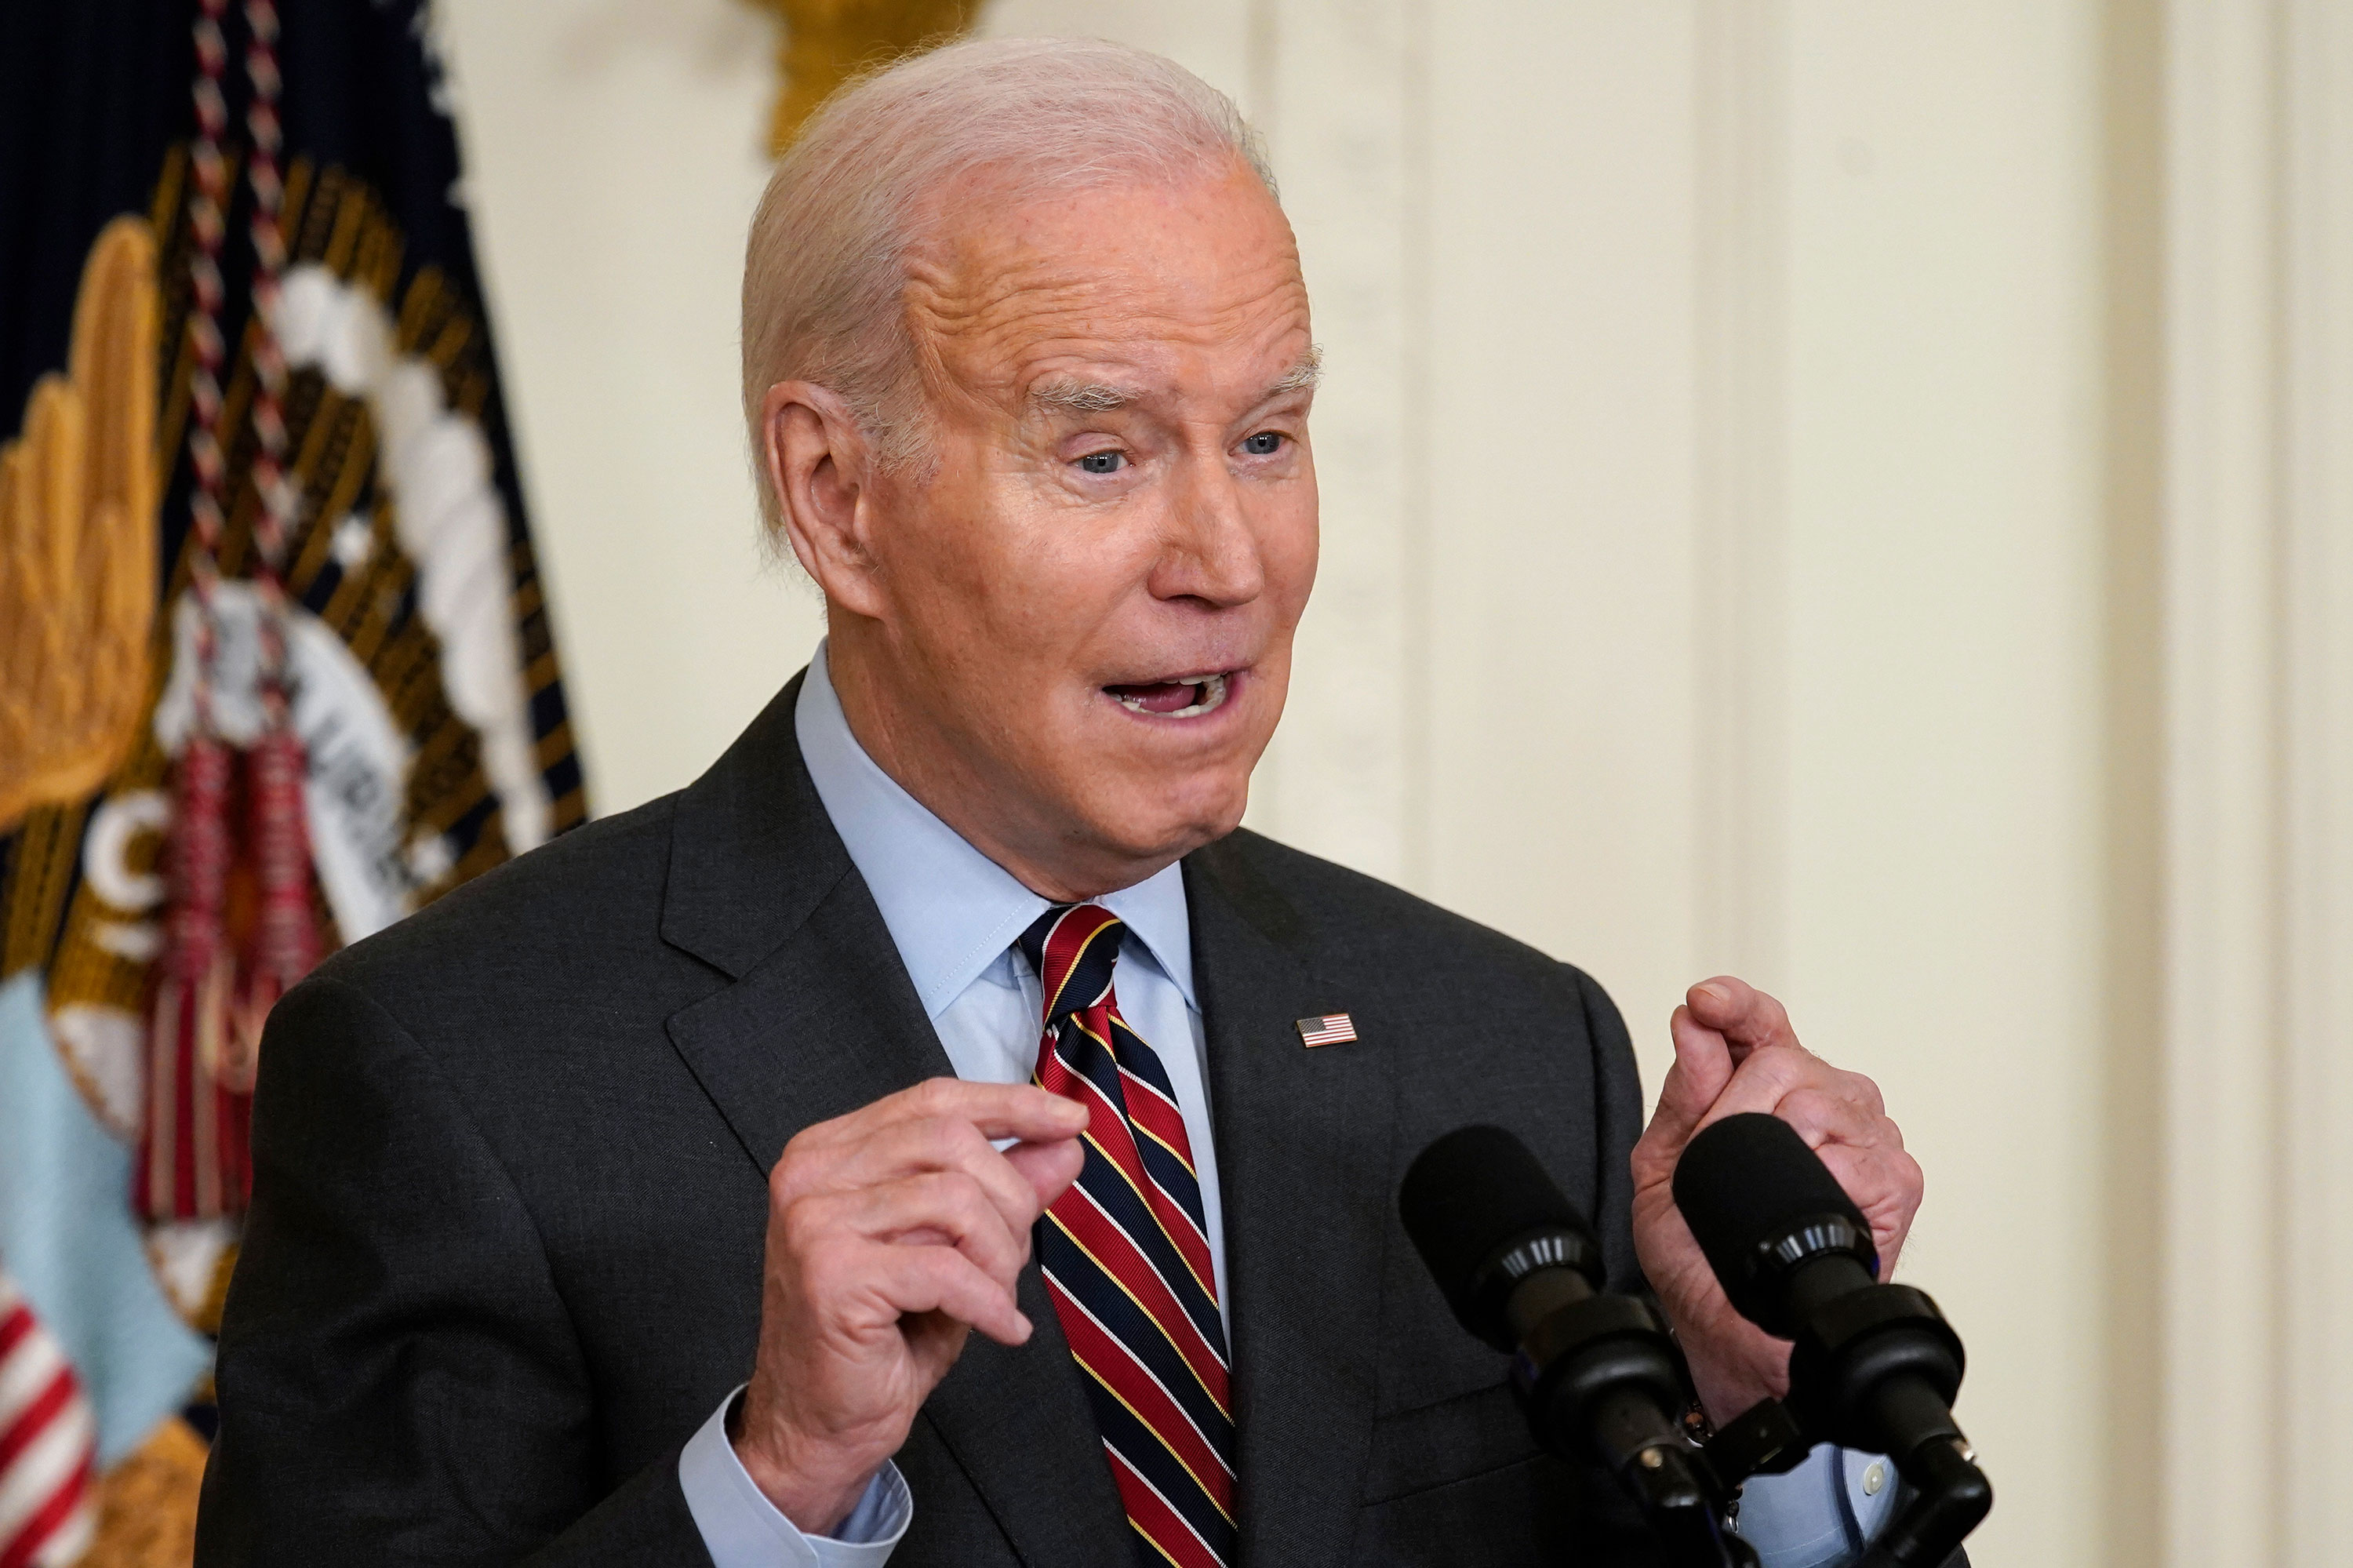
(504, 1256)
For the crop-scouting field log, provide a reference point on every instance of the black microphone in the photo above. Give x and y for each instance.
(1875, 1366)
(1597, 1375)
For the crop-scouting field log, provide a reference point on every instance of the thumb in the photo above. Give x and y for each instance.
(1049, 1168)
(1703, 1068)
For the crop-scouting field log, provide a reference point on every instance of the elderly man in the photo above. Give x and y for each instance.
(637, 1203)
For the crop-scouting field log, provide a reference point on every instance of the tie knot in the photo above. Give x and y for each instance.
(1073, 947)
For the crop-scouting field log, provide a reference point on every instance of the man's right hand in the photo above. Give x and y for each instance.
(893, 1233)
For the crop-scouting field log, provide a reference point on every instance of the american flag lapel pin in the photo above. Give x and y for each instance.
(1331, 1029)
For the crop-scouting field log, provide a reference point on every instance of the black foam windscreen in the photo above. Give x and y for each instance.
(1745, 1180)
(1469, 1194)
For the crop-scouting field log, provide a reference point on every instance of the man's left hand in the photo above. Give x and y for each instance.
(1734, 1051)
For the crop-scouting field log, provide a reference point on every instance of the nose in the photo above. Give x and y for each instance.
(1210, 553)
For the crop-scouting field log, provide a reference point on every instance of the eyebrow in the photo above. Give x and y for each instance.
(1306, 373)
(1065, 395)
(1081, 397)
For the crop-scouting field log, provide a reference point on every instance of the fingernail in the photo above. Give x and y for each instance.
(1715, 993)
(1027, 1327)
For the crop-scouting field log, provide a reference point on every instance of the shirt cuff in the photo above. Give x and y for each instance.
(1822, 1513)
(741, 1528)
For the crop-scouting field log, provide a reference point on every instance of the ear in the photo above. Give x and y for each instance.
(820, 464)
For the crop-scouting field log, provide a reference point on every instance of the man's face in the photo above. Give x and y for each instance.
(1088, 600)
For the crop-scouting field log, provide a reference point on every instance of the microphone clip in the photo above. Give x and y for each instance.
(1765, 1439)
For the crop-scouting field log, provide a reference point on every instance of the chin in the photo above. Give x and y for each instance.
(1173, 824)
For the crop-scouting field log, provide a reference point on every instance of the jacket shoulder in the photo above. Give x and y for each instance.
(1342, 912)
(581, 906)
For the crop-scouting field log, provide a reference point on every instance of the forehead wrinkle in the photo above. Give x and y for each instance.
(1064, 358)
(1092, 308)
(993, 313)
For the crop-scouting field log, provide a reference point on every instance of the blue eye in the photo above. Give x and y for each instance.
(1265, 443)
(1102, 463)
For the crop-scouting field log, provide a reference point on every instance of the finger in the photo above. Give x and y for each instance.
(998, 1110)
(938, 1207)
(1703, 1068)
(903, 1149)
(1821, 1117)
(1764, 1078)
(995, 1111)
(1049, 1168)
(1886, 1184)
(1745, 1016)
(1861, 1089)
(914, 1279)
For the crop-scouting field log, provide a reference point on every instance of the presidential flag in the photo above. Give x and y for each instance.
(275, 670)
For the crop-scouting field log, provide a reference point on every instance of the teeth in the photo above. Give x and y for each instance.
(1213, 695)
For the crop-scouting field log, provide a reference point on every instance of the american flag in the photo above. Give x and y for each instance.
(1331, 1029)
(47, 1446)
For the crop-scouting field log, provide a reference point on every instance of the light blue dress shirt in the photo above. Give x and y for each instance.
(954, 914)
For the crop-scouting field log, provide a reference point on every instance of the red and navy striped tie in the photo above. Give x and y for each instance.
(1125, 1253)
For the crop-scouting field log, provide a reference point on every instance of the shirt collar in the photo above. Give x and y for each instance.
(951, 910)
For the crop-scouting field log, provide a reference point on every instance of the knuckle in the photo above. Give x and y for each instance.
(939, 1137)
(784, 1177)
(944, 1268)
(965, 1195)
(935, 1097)
(947, 1194)
(1809, 1100)
(803, 1224)
(961, 1141)
(1863, 1089)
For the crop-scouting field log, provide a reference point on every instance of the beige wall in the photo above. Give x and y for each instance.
(1714, 521)
(1945, 743)
(612, 161)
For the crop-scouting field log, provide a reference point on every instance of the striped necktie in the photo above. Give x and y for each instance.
(1125, 1254)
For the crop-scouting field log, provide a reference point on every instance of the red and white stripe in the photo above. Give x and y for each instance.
(1110, 1130)
(48, 1446)
(1331, 1029)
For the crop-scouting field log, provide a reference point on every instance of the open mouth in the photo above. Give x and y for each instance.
(1182, 699)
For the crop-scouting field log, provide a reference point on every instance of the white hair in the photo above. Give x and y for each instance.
(823, 272)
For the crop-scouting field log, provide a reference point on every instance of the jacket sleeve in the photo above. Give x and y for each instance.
(1618, 1122)
(398, 1378)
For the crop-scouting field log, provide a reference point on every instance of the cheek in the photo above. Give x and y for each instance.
(1292, 544)
(1057, 596)
(1077, 574)
(970, 586)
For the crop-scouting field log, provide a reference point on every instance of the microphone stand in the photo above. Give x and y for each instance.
(1599, 1373)
(1950, 1493)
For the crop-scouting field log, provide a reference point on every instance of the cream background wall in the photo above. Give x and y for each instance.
(1715, 509)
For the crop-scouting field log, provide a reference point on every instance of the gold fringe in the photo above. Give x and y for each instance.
(78, 491)
(147, 1502)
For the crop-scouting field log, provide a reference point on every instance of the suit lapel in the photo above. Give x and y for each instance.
(1304, 1164)
(821, 1020)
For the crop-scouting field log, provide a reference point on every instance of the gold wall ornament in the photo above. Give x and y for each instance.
(826, 42)
(147, 1502)
(78, 491)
